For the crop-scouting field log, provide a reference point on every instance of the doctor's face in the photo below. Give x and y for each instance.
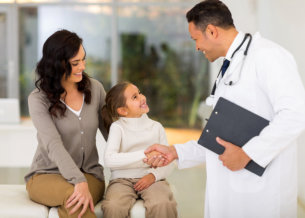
(204, 42)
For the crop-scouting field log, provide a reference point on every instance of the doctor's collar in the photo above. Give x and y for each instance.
(236, 42)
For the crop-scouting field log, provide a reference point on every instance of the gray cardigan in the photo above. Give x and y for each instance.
(66, 145)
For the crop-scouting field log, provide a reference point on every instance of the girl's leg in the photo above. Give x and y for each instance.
(53, 190)
(120, 197)
(159, 201)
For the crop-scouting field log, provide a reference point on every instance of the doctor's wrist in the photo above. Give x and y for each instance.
(173, 152)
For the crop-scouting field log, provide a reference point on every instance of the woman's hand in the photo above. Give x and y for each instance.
(144, 182)
(80, 197)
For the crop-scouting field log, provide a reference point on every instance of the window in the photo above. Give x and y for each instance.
(144, 42)
(156, 54)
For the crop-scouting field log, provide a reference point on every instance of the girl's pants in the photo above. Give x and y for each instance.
(121, 196)
(53, 190)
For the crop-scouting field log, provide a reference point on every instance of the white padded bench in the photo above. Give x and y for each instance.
(15, 203)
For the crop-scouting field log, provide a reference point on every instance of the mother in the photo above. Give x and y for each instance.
(65, 109)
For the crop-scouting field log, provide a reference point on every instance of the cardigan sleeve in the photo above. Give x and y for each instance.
(51, 139)
(102, 96)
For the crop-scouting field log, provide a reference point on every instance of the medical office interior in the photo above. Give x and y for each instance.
(145, 42)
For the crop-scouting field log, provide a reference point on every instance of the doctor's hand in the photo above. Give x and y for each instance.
(234, 158)
(168, 155)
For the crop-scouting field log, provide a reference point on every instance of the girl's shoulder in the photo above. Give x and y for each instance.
(116, 125)
(156, 123)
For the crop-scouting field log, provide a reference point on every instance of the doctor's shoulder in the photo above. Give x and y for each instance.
(267, 49)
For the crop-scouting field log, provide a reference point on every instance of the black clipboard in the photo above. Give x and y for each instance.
(234, 124)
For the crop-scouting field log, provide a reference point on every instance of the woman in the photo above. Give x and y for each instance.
(65, 109)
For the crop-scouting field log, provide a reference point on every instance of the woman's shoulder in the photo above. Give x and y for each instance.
(95, 84)
(37, 94)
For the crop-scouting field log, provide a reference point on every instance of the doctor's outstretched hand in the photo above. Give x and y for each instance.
(234, 157)
(168, 155)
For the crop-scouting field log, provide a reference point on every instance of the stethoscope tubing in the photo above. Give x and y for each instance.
(231, 82)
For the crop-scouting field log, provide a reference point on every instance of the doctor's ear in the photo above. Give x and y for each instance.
(212, 31)
(122, 111)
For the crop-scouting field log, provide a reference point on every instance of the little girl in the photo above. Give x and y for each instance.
(129, 136)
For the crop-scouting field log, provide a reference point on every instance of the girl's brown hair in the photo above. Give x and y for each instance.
(114, 99)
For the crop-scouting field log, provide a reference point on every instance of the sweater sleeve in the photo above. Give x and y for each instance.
(114, 159)
(51, 139)
(162, 172)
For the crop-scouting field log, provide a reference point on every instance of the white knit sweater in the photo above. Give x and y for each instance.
(127, 141)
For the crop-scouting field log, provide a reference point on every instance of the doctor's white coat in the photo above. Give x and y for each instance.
(268, 85)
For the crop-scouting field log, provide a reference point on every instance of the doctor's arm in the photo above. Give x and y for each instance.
(188, 155)
(279, 78)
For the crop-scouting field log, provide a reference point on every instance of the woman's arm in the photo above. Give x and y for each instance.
(102, 95)
(51, 139)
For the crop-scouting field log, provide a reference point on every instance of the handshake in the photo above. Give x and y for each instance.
(160, 155)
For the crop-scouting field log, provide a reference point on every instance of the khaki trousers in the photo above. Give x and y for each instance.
(53, 190)
(121, 196)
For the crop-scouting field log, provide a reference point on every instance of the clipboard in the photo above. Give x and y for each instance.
(234, 124)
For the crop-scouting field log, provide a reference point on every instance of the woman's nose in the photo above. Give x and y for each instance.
(83, 65)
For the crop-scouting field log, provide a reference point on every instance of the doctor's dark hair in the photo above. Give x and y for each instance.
(212, 12)
(54, 65)
(115, 99)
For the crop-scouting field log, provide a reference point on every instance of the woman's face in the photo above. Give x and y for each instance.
(78, 65)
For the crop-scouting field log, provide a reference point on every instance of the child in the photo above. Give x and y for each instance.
(129, 136)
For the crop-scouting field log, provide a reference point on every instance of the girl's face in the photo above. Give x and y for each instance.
(135, 102)
(78, 65)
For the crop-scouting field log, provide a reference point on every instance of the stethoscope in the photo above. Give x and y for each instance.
(230, 81)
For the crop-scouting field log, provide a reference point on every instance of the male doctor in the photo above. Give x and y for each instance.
(264, 80)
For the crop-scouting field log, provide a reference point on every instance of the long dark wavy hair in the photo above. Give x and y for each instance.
(115, 98)
(54, 65)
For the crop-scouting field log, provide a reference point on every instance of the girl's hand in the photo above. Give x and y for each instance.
(154, 155)
(144, 182)
(80, 197)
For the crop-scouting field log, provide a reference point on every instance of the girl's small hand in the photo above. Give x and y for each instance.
(145, 182)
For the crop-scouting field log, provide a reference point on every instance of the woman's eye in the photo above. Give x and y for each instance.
(74, 65)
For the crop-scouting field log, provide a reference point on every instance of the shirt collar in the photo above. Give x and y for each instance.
(236, 42)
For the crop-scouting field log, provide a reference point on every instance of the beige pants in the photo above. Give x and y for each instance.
(53, 190)
(121, 196)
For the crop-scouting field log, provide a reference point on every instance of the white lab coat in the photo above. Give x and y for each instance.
(270, 86)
